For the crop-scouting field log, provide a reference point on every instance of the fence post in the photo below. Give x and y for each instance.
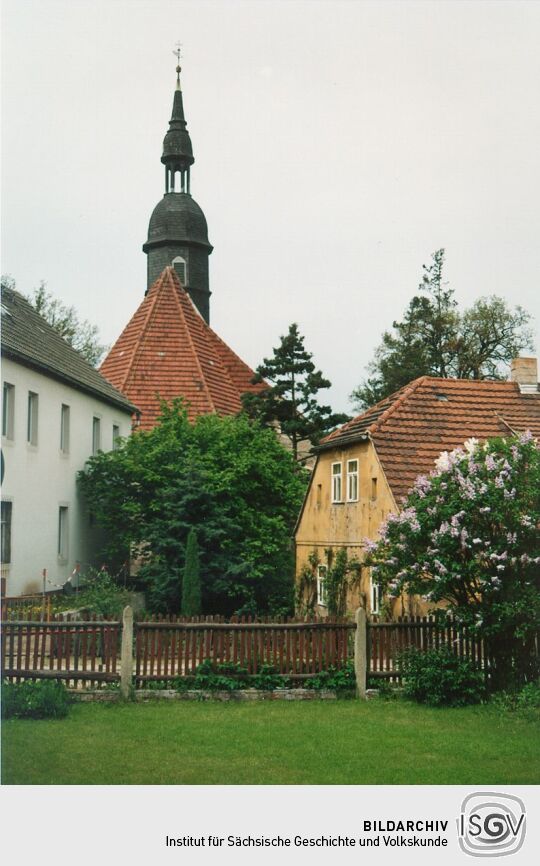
(360, 653)
(126, 657)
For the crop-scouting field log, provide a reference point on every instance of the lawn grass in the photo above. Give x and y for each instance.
(342, 742)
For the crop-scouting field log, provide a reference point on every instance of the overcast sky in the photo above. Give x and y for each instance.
(337, 145)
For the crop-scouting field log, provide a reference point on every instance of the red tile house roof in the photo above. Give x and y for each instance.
(167, 350)
(411, 427)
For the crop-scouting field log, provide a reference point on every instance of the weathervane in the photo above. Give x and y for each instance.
(177, 53)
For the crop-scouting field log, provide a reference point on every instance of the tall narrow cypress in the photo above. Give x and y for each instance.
(191, 584)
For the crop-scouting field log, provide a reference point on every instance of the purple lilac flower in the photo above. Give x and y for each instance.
(370, 545)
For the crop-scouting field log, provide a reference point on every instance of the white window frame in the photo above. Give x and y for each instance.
(8, 410)
(337, 482)
(352, 481)
(96, 435)
(180, 260)
(32, 425)
(375, 595)
(322, 574)
(115, 436)
(63, 533)
(64, 428)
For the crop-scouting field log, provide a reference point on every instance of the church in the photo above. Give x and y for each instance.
(168, 349)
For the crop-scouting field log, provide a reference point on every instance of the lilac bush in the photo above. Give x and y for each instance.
(467, 541)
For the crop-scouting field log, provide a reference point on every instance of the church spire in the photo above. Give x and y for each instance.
(177, 231)
(177, 156)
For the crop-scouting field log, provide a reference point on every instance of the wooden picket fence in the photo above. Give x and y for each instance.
(386, 640)
(82, 654)
(88, 653)
(167, 649)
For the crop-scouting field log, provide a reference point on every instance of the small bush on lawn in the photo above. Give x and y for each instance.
(525, 703)
(439, 678)
(334, 679)
(39, 699)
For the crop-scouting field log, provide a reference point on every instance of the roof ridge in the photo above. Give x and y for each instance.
(222, 365)
(177, 290)
(405, 394)
(228, 349)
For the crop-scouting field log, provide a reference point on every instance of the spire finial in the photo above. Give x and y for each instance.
(177, 53)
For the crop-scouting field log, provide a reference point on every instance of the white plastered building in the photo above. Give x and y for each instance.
(57, 411)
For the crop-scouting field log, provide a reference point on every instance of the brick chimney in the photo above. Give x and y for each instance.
(524, 371)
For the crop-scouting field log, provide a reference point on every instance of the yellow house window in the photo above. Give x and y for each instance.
(321, 585)
(337, 482)
(352, 480)
(376, 596)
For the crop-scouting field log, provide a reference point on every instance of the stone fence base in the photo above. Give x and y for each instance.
(145, 695)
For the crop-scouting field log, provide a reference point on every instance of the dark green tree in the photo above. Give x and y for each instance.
(290, 401)
(230, 480)
(435, 339)
(191, 583)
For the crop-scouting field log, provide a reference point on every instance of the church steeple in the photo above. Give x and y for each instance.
(177, 150)
(177, 233)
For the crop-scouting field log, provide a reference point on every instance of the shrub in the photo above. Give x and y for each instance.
(335, 679)
(231, 677)
(386, 690)
(469, 536)
(525, 703)
(214, 677)
(100, 594)
(267, 679)
(35, 699)
(437, 677)
(529, 697)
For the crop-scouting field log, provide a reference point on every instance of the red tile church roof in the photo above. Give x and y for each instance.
(411, 427)
(167, 350)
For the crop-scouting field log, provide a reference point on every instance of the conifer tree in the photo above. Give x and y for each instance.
(291, 398)
(191, 584)
(435, 339)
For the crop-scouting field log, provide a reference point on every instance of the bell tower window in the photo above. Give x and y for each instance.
(180, 266)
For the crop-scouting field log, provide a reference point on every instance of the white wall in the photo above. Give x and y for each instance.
(38, 480)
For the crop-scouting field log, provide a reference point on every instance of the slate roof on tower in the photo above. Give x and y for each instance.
(167, 350)
(411, 427)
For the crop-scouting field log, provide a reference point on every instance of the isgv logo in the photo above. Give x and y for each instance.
(491, 825)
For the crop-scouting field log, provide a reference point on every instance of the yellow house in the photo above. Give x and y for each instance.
(365, 469)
